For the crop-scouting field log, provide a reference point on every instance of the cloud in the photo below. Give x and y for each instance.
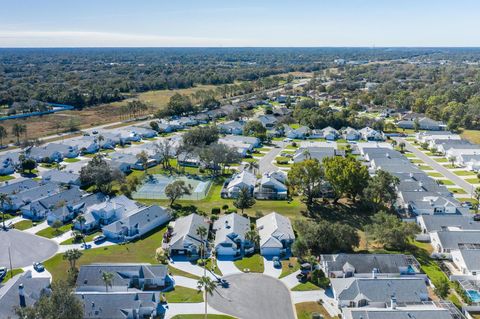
(104, 39)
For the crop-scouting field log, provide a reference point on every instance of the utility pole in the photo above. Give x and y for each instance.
(10, 258)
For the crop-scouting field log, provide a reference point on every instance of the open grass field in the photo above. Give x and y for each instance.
(305, 310)
(253, 263)
(140, 251)
(471, 135)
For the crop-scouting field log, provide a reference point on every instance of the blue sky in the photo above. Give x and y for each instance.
(164, 23)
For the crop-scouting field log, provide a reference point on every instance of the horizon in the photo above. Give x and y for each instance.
(214, 23)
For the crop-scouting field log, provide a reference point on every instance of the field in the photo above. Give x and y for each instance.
(471, 135)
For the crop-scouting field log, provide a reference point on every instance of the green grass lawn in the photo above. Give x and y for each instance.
(24, 224)
(471, 200)
(254, 263)
(450, 166)
(286, 269)
(49, 232)
(199, 316)
(71, 160)
(457, 190)
(177, 272)
(416, 161)
(183, 294)
(465, 173)
(139, 251)
(5, 178)
(434, 174)
(249, 160)
(87, 239)
(264, 149)
(471, 135)
(305, 310)
(12, 274)
(445, 182)
(425, 168)
(291, 147)
(307, 286)
(409, 154)
(473, 180)
(441, 160)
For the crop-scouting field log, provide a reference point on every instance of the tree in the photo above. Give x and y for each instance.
(346, 176)
(4, 199)
(72, 255)
(154, 125)
(208, 286)
(202, 232)
(99, 173)
(244, 199)
(176, 190)
(452, 159)
(442, 287)
(200, 136)
(164, 151)
(81, 220)
(389, 231)
(56, 226)
(143, 158)
(60, 304)
(381, 190)
(107, 278)
(19, 129)
(252, 166)
(3, 135)
(253, 237)
(476, 195)
(402, 147)
(28, 164)
(300, 248)
(256, 129)
(416, 124)
(306, 177)
(177, 105)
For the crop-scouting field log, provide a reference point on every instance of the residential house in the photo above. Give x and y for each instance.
(188, 159)
(238, 182)
(276, 235)
(268, 121)
(129, 161)
(301, 132)
(85, 144)
(144, 132)
(230, 231)
(8, 163)
(369, 134)
(469, 161)
(137, 223)
(466, 261)
(52, 152)
(23, 290)
(363, 265)
(271, 186)
(185, 240)
(126, 277)
(14, 187)
(318, 153)
(378, 292)
(166, 128)
(108, 140)
(431, 136)
(61, 177)
(24, 196)
(351, 134)
(250, 140)
(424, 311)
(231, 127)
(425, 123)
(434, 223)
(330, 134)
(430, 203)
(66, 212)
(447, 241)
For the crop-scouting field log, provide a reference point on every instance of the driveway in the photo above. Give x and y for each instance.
(227, 267)
(437, 166)
(270, 270)
(265, 163)
(25, 248)
(253, 296)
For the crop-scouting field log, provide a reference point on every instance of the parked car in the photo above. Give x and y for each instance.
(302, 277)
(476, 217)
(3, 272)
(38, 267)
(276, 262)
(94, 132)
(99, 239)
(467, 204)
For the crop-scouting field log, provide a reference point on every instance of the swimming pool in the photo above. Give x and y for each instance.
(474, 295)
(154, 186)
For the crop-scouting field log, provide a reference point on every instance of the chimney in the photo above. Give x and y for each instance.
(393, 302)
(21, 294)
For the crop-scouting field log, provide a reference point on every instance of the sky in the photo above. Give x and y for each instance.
(239, 23)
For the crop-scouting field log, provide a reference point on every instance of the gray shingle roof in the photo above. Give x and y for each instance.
(141, 217)
(17, 187)
(375, 313)
(230, 224)
(186, 228)
(438, 222)
(451, 239)
(365, 263)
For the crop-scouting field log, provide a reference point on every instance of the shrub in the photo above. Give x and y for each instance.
(225, 207)
(318, 278)
(231, 210)
(214, 218)
(294, 144)
(216, 210)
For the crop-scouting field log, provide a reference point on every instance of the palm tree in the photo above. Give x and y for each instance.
(18, 129)
(312, 260)
(3, 134)
(107, 278)
(4, 199)
(476, 195)
(307, 154)
(402, 146)
(202, 232)
(72, 255)
(253, 237)
(452, 159)
(81, 220)
(208, 286)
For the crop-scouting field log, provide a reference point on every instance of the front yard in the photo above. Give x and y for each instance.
(183, 294)
(305, 310)
(50, 232)
(252, 264)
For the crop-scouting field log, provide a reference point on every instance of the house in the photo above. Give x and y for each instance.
(369, 134)
(469, 161)
(447, 241)
(249, 140)
(8, 163)
(122, 305)
(271, 186)
(23, 290)
(434, 223)
(425, 123)
(52, 152)
(126, 161)
(330, 134)
(188, 159)
(61, 177)
(376, 292)
(15, 187)
(85, 144)
(466, 261)
(425, 311)
(351, 134)
(268, 121)
(126, 277)
(105, 212)
(301, 132)
(455, 152)
(144, 132)
(430, 203)
(185, 241)
(66, 212)
(276, 235)
(318, 153)
(166, 128)
(231, 127)
(238, 182)
(25, 196)
(431, 136)
(137, 223)
(230, 233)
(362, 265)
(108, 140)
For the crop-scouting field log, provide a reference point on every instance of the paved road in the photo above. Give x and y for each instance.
(253, 296)
(436, 166)
(25, 248)
(265, 163)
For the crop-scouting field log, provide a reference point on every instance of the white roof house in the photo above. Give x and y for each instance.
(241, 180)
(185, 240)
(271, 186)
(276, 234)
(230, 233)
(467, 261)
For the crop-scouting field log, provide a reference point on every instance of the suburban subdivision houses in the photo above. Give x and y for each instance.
(271, 185)
(51, 152)
(9, 162)
(424, 123)
(276, 235)
(184, 239)
(445, 242)
(230, 231)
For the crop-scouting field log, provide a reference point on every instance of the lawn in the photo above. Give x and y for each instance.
(289, 266)
(416, 161)
(465, 173)
(71, 160)
(409, 154)
(425, 167)
(471, 135)
(305, 310)
(434, 174)
(253, 263)
(307, 286)
(49, 232)
(139, 251)
(177, 272)
(471, 200)
(24, 224)
(457, 190)
(5, 178)
(183, 294)
(11, 273)
(445, 182)
(441, 160)
(199, 316)
(473, 180)
(87, 239)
